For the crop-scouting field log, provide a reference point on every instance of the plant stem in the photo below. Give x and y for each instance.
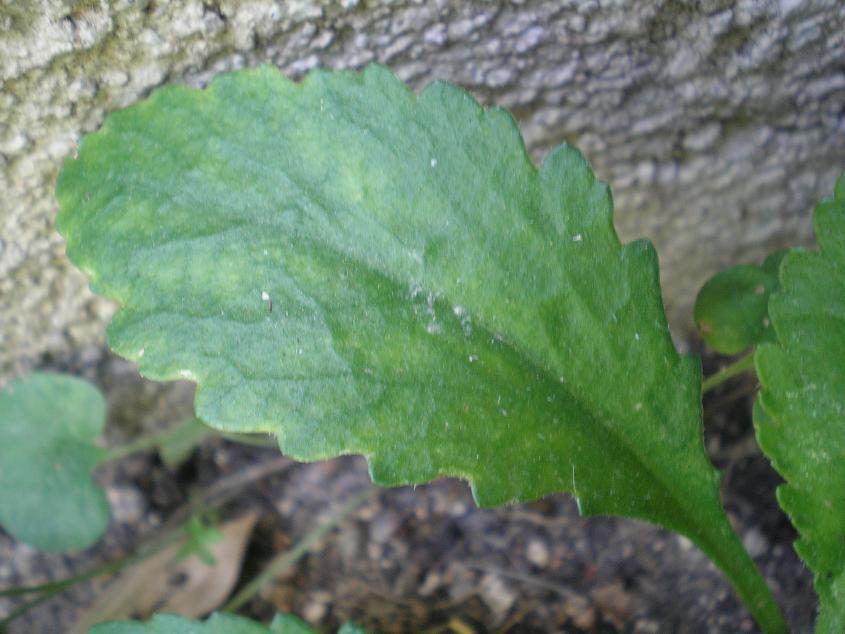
(26, 607)
(727, 552)
(142, 443)
(281, 562)
(155, 439)
(107, 568)
(52, 588)
(737, 367)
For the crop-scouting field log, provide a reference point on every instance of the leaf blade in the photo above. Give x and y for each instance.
(731, 309)
(798, 415)
(48, 425)
(400, 282)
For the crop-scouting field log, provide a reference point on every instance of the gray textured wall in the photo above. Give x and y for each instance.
(716, 123)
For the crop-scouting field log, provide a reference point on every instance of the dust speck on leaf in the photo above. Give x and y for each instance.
(433, 328)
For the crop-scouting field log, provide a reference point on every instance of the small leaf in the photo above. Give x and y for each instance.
(199, 538)
(48, 426)
(361, 270)
(800, 413)
(290, 624)
(731, 310)
(217, 623)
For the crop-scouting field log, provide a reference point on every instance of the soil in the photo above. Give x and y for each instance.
(425, 559)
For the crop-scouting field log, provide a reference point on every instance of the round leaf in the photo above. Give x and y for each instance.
(48, 426)
(731, 310)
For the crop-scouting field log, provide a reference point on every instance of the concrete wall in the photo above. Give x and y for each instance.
(716, 123)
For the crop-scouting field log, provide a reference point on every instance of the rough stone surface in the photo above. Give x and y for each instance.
(717, 123)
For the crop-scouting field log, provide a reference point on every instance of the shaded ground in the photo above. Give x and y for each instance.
(425, 559)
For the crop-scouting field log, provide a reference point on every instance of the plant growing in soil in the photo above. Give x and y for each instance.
(358, 269)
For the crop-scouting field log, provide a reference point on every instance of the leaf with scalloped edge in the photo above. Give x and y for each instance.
(800, 413)
(362, 270)
(217, 623)
(48, 426)
(731, 309)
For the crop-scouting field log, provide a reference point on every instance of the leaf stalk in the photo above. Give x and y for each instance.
(737, 367)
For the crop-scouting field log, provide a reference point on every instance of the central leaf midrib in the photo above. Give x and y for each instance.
(519, 352)
(318, 198)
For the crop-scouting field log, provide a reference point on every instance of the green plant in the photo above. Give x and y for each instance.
(357, 269)
(48, 425)
(799, 415)
(217, 624)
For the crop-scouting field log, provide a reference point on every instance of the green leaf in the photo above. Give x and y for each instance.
(217, 623)
(289, 624)
(200, 536)
(351, 628)
(361, 270)
(731, 310)
(48, 425)
(800, 413)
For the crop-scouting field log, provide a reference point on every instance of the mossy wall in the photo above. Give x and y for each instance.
(716, 123)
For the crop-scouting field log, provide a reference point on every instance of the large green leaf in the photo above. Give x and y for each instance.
(731, 309)
(361, 270)
(48, 425)
(800, 417)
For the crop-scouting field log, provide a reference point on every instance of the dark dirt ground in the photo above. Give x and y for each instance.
(425, 559)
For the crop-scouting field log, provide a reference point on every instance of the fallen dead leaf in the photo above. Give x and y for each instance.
(163, 583)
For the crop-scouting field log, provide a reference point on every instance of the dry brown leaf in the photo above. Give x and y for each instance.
(164, 584)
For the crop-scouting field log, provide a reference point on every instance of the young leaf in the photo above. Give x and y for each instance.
(200, 537)
(48, 425)
(217, 623)
(731, 310)
(800, 413)
(361, 270)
